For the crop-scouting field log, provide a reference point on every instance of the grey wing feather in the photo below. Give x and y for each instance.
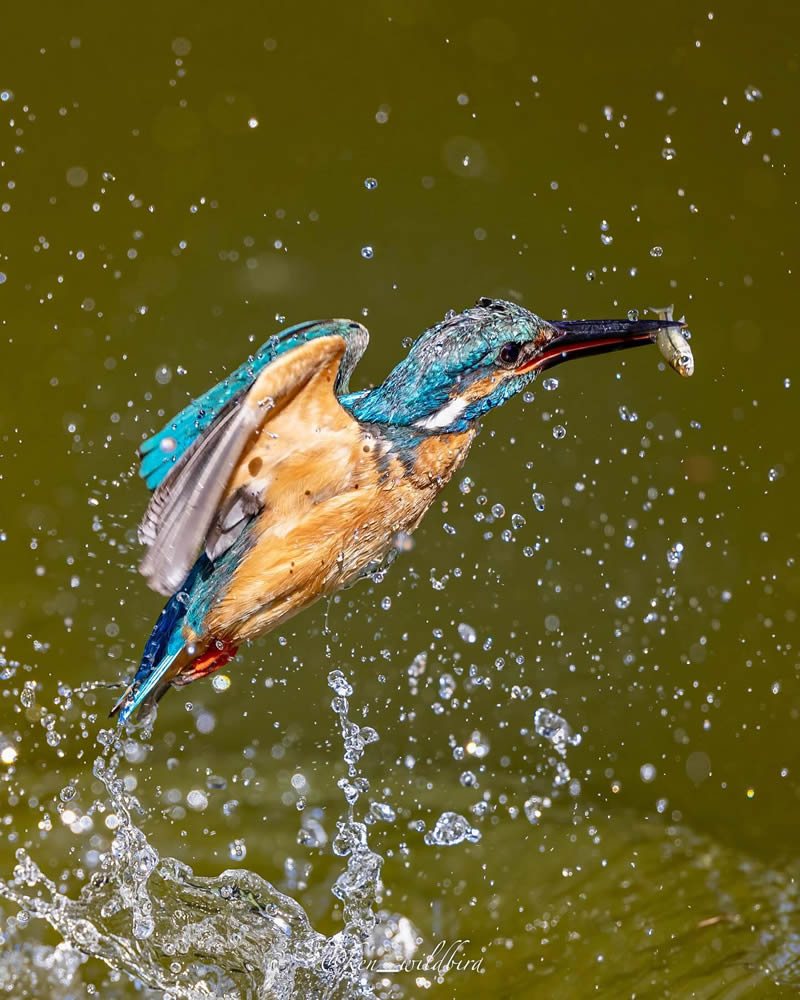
(245, 503)
(181, 509)
(356, 339)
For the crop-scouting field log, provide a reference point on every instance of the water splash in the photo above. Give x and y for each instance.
(153, 918)
(233, 935)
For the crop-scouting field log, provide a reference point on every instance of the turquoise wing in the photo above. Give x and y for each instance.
(160, 453)
(185, 506)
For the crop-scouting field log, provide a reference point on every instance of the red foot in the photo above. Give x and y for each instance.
(216, 656)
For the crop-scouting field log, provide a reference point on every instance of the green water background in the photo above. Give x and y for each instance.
(177, 182)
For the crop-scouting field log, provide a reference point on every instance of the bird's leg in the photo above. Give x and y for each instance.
(216, 656)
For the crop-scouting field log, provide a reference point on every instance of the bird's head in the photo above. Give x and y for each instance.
(476, 360)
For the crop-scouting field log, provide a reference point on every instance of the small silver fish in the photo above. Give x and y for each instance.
(673, 345)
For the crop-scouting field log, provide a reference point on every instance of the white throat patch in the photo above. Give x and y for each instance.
(444, 417)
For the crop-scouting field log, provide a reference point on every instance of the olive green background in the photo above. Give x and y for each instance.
(222, 152)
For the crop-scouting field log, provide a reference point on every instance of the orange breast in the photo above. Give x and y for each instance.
(334, 505)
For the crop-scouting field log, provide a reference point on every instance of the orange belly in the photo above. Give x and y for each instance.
(331, 528)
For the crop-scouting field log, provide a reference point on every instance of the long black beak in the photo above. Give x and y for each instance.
(575, 338)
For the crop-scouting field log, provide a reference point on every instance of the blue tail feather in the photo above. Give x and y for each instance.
(138, 695)
(164, 645)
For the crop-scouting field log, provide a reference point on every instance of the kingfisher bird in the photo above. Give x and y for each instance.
(279, 486)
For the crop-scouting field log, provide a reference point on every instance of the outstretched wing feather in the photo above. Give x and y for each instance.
(162, 452)
(182, 509)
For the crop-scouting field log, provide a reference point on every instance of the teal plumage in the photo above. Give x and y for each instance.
(278, 486)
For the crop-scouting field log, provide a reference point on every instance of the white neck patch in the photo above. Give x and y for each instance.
(444, 417)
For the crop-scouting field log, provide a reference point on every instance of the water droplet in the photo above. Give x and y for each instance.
(668, 153)
(77, 176)
(752, 94)
(370, 183)
(382, 811)
(538, 501)
(647, 772)
(550, 384)
(559, 432)
(197, 799)
(27, 695)
(221, 682)
(237, 850)
(517, 521)
(451, 828)
(554, 729)
(447, 686)
(418, 665)
(386, 603)
(163, 374)
(312, 833)
(534, 806)
(656, 251)
(367, 252)
(498, 510)
(339, 683)
(403, 542)
(467, 633)
(674, 555)
(477, 745)
(623, 602)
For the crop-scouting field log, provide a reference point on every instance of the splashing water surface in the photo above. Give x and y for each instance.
(233, 935)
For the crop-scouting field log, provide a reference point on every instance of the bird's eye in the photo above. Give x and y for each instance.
(509, 353)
